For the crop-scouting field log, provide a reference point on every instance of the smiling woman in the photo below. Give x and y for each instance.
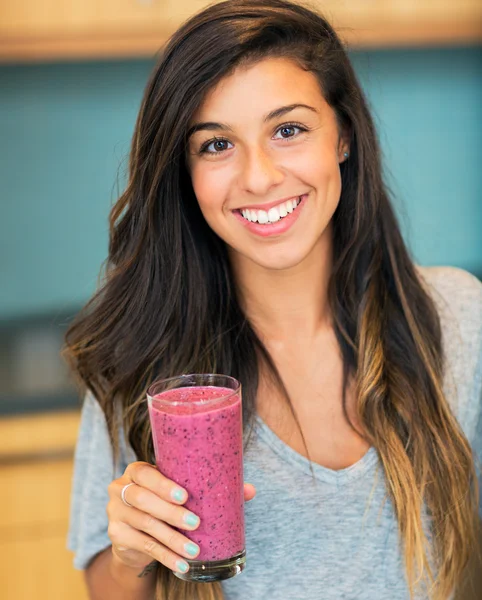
(260, 160)
(256, 238)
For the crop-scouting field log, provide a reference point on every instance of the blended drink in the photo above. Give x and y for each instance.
(198, 439)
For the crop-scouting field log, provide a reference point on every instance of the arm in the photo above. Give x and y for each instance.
(109, 579)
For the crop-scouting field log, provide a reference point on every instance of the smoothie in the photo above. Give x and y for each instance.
(199, 446)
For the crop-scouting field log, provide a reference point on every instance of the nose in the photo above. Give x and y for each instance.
(259, 172)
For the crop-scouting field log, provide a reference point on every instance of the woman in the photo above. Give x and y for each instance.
(256, 238)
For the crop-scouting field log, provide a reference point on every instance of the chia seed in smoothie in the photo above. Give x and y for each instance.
(199, 445)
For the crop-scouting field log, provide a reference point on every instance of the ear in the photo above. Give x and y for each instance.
(343, 145)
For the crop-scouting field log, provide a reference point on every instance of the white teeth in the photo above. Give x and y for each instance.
(273, 215)
(262, 216)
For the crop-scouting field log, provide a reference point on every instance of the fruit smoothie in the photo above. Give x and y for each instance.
(200, 447)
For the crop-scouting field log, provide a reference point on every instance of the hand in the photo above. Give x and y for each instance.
(144, 531)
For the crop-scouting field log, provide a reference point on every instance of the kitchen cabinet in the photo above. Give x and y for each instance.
(63, 29)
(40, 30)
(36, 461)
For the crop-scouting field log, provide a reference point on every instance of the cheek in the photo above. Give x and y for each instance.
(210, 189)
(322, 172)
(317, 165)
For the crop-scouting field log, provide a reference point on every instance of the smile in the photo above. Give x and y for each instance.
(276, 221)
(274, 214)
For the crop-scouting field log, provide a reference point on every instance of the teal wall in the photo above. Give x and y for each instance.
(64, 136)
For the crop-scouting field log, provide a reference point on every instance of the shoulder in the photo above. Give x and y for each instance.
(93, 435)
(457, 296)
(456, 290)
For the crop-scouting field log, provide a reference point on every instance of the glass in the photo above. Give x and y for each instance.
(197, 431)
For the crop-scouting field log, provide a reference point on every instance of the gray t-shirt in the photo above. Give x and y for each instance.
(331, 537)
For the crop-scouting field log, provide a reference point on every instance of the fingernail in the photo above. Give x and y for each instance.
(191, 519)
(178, 494)
(191, 548)
(182, 566)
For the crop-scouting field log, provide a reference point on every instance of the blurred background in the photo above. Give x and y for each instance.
(72, 74)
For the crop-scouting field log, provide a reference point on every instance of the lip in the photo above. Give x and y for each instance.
(269, 205)
(277, 228)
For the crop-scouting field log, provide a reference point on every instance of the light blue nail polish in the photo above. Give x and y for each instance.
(182, 566)
(191, 548)
(178, 495)
(191, 519)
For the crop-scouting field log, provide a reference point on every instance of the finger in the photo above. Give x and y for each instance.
(125, 539)
(149, 477)
(159, 530)
(147, 502)
(249, 492)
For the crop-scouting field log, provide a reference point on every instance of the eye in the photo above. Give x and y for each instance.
(219, 145)
(288, 130)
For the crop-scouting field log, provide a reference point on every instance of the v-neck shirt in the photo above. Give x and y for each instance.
(311, 534)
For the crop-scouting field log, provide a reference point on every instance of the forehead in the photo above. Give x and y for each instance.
(257, 88)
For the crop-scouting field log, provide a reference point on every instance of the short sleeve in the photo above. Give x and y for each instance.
(94, 469)
(477, 443)
(474, 413)
(473, 417)
(478, 458)
(458, 297)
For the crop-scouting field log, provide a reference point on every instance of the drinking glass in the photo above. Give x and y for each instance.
(197, 431)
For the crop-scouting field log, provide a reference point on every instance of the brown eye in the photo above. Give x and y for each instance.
(286, 131)
(220, 145)
(216, 146)
(290, 130)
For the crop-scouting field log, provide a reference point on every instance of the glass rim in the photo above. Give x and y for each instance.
(186, 377)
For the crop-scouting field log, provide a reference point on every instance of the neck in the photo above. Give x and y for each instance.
(287, 304)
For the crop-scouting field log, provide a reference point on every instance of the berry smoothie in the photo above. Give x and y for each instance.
(198, 444)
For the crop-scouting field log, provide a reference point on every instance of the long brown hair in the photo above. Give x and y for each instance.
(168, 302)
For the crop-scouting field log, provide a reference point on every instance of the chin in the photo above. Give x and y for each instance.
(278, 261)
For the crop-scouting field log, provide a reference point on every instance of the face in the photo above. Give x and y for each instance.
(264, 161)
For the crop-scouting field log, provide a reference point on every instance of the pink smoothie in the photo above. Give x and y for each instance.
(200, 448)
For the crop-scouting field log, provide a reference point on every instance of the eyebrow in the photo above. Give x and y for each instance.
(274, 114)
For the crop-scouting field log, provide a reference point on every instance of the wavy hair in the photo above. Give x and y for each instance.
(168, 305)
